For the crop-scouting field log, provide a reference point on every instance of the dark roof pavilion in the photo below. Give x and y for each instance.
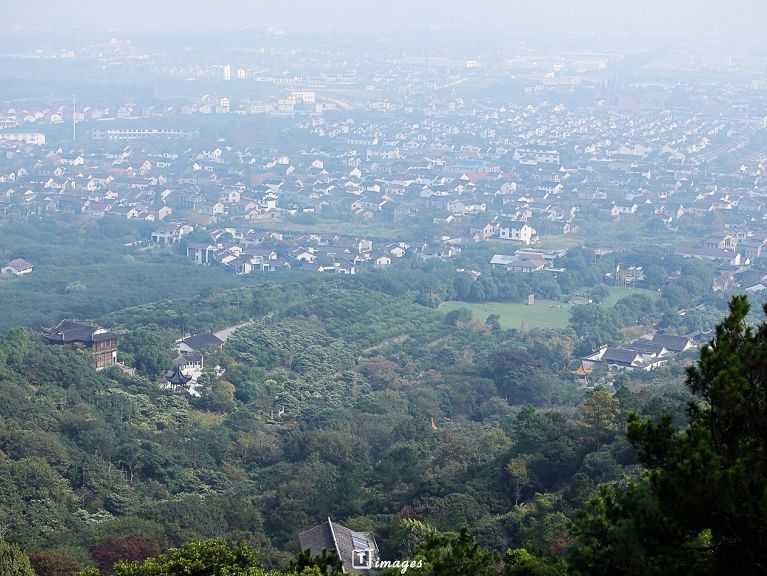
(176, 378)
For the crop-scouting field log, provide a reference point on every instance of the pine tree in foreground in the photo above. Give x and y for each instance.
(702, 506)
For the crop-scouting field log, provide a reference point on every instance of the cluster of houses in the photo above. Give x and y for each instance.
(103, 344)
(244, 250)
(734, 251)
(495, 169)
(643, 354)
(470, 193)
(189, 364)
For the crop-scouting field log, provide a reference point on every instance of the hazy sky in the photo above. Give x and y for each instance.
(687, 17)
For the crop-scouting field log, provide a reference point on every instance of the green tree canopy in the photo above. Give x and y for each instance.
(450, 553)
(199, 558)
(13, 561)
(599, 413)
(595, 326)
(701, 508)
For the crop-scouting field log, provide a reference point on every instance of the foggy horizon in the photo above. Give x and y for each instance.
(742, 19)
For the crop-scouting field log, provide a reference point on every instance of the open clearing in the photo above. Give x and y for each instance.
(542, 314)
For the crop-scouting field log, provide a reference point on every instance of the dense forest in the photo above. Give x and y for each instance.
(338, 401)
(456, 441)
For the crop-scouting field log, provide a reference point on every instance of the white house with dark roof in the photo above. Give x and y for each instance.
(191, 363)
(526, 265)
(640, 357)
(674, 343)
(713, 254)
(501, 260)
(517, 231)
(197, 342)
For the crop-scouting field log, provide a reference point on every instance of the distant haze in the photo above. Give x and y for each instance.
(701, 18)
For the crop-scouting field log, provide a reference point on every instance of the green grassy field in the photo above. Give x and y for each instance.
(618, 293)
(555, 242)
(542, 314)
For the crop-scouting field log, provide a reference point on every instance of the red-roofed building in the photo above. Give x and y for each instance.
(17, 267)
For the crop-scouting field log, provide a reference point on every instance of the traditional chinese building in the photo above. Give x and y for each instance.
(100, 342)
(176, 378)
(582, 375)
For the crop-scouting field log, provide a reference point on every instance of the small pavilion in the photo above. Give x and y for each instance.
(582, 375)
(177, 379)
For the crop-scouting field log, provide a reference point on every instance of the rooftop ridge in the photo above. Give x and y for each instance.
(335, 542)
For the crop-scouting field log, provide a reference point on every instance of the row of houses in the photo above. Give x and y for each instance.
(246, 250)
(643, 354)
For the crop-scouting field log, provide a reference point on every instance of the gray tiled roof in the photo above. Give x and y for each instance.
(647, 347)
(333, 536)
(317, 539)
(71, 331)
(620, 355)
(199, 341)
(670, 342)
